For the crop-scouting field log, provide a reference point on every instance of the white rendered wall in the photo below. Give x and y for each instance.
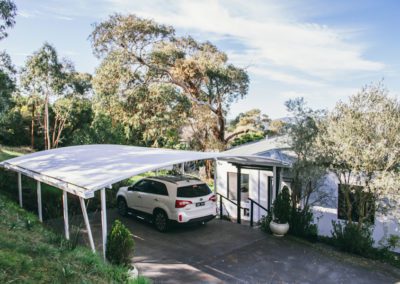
(258, 190)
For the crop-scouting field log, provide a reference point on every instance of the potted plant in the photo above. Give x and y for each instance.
(281, 213)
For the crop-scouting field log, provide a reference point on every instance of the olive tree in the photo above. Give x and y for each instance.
(361, 145)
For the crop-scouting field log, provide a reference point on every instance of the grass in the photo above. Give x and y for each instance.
(30, 253)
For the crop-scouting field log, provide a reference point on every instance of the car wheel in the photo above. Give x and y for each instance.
(160, 221)
(122, 207)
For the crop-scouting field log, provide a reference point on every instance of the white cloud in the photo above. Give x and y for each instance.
(274, 36)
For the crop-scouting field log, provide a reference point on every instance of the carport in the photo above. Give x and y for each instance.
(83, 170)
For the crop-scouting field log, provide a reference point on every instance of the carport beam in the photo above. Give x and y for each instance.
(39, 200)
(104, 220)
(86, 218)
(65, 209)
(20, 189)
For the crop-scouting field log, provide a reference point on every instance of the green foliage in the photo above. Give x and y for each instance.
(264, 223)
(8, 12)
(120, 245)
(30, 253)
(149, 76)
(248, 137)
(351, 238)
(302, 224)
(360, 141)
(282, 207)
(307, 170)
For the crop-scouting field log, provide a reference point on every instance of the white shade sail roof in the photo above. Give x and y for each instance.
(81, 170)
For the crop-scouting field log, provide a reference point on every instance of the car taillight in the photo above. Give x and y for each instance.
(182, 203)
(213, 198)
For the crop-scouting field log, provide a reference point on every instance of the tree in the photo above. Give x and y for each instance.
(361, 145)
(307, 171)
(8, 11)
(7, 82)
(145, 53)
(247, 127)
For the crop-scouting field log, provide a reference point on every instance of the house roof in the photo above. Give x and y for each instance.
(275, 148)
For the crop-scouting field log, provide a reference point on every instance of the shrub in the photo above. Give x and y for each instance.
(120, 245)
(281, 207)
(301, 224)
(351, 238)
(264, 223)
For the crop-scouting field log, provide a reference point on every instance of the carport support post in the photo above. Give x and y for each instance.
(274, 184)
(65, 209)
(215, 176)
(86, 218)
(39, 200)
(20, 189)
(239, 194)
(104, 220)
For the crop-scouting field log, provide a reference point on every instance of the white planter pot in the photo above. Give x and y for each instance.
(279, 230)
(133, 273)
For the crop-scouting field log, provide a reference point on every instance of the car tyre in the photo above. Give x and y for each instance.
(160, 220)
(122, 207)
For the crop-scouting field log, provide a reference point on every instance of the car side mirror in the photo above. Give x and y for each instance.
(131, 188)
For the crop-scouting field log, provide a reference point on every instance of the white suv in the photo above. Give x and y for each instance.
(181, 199)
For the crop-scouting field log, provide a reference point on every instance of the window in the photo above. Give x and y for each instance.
(160, 188)
(142, 186)
(355, 195)
(232, 185)
(195, 190)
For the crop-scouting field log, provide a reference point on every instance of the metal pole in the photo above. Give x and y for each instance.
(251, 212)
(86, 218)
(104, 220)
(39, 200)
(239, 194)
(65, 209)
(220, 207)
(20, 189)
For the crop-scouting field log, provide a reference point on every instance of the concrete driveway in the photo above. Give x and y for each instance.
(224, 252)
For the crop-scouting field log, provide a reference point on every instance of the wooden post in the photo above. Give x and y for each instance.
(20, 189)
(86, 218)
(65, 209)
(39, 200)
(104, 220)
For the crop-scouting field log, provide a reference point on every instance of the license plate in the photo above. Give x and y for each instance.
(200, 204)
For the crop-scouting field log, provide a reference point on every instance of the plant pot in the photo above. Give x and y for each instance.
(279, 230)
(133, 273)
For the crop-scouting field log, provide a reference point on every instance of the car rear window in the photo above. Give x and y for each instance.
(195, 190)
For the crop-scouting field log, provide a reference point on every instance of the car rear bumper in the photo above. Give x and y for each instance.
(201, 219)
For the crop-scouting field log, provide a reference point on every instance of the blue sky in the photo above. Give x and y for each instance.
(321, 50)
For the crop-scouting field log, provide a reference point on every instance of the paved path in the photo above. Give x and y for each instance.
(224, 252)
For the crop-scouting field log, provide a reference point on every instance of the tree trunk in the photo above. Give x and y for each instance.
(46, 115)
(33, 126)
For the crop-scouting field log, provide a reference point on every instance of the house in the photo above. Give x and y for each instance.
(258, 186)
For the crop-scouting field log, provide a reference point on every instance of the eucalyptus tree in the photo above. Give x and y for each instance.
(42, 76)
(361, 144)
(47, 79)
(8, 11)
(147, 55)
(7, 82)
